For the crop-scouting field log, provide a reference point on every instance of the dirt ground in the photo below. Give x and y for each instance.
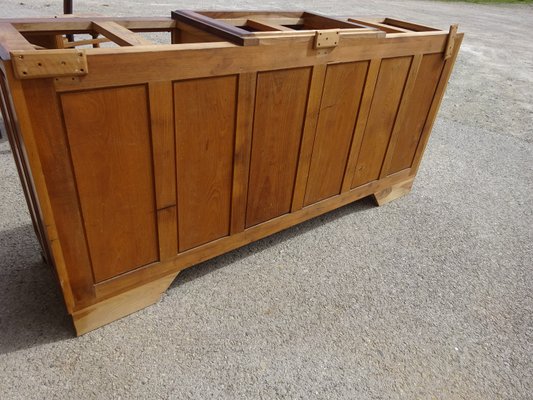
(430, 297)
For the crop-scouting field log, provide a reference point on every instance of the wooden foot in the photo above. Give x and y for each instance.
(121, 305)
(392, 193)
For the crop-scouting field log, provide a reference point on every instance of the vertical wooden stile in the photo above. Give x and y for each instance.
(383, 111)
(164, 156)
(243, 143)
(404, 106)
(364, 110)
(50, 160)
(308, 138)
(435, 105)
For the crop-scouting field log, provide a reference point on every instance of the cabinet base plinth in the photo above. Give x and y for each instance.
(394, 192)
(119, 306)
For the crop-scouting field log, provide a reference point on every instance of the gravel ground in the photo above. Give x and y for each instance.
(429, 297)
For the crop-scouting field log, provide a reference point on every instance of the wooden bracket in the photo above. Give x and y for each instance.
(49, 63)
(451, 41)
(327, 38)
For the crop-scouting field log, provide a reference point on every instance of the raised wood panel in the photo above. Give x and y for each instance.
(417, 112)
(205, 112)
(45, 141)
(109, 136)
(281, 98)
(338, 112)
(387, 96)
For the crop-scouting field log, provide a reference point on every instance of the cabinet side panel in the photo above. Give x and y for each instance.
(389, 88)
(417, 111)
(22, 165)
(338, 112)
(281, 98)
(205, 134)
(109, 136)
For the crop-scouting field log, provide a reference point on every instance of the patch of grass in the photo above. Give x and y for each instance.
(495, 1)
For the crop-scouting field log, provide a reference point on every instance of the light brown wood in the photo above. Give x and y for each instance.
(119, 34)
(163, 142)
(387, 96)
(416, 112)
(116, 194)
(184, 61)
(225, 244)
(243, 146)
(408, 25)
(163, 156)
(12, 40)
(338, 112)
(46, 142)
(96, 41)
(167, 219)
(451, 41)
(308, 137)
(279, 119)
(402, 114)
(366, 102)
(393, 192)
(435, 104)
(49, 63)
(380, 26)
(205, 111)
(262, 25)
(119, 306)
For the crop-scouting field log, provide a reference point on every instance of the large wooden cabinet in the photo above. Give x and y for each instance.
(140, 159)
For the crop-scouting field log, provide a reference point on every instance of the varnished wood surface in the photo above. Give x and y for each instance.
(205, 134)
(163, 156)
(281, 98)
(387, 96)
(417, 111)
(116, 193)
(338, 112)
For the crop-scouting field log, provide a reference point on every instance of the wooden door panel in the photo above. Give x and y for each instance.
(109, 136)
(341, 97)
(281, 98)
(387, 95)
(205, 134)
(417, 111)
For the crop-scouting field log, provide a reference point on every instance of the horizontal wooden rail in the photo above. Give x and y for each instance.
(119, 34)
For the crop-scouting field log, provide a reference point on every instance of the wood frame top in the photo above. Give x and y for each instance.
(41, 38)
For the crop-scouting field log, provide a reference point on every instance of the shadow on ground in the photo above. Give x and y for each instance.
(32, 311)
(209, 266)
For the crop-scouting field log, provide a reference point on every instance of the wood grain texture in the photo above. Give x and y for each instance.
(109, 136)
(225, 244)
(308, 137)
(360, 125)
(11, 39)
(403, 113)
(21, 162)
(338, 112)
(163, 142)
(205, 131)
(167, 230)
(387, 96)
(119, 306)
(435, 104)
(235, 165)
(243, 145)
(173, 62)
(119, 34)
(417, 111)
(46, 143)
(393, 192)
(279, 117)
